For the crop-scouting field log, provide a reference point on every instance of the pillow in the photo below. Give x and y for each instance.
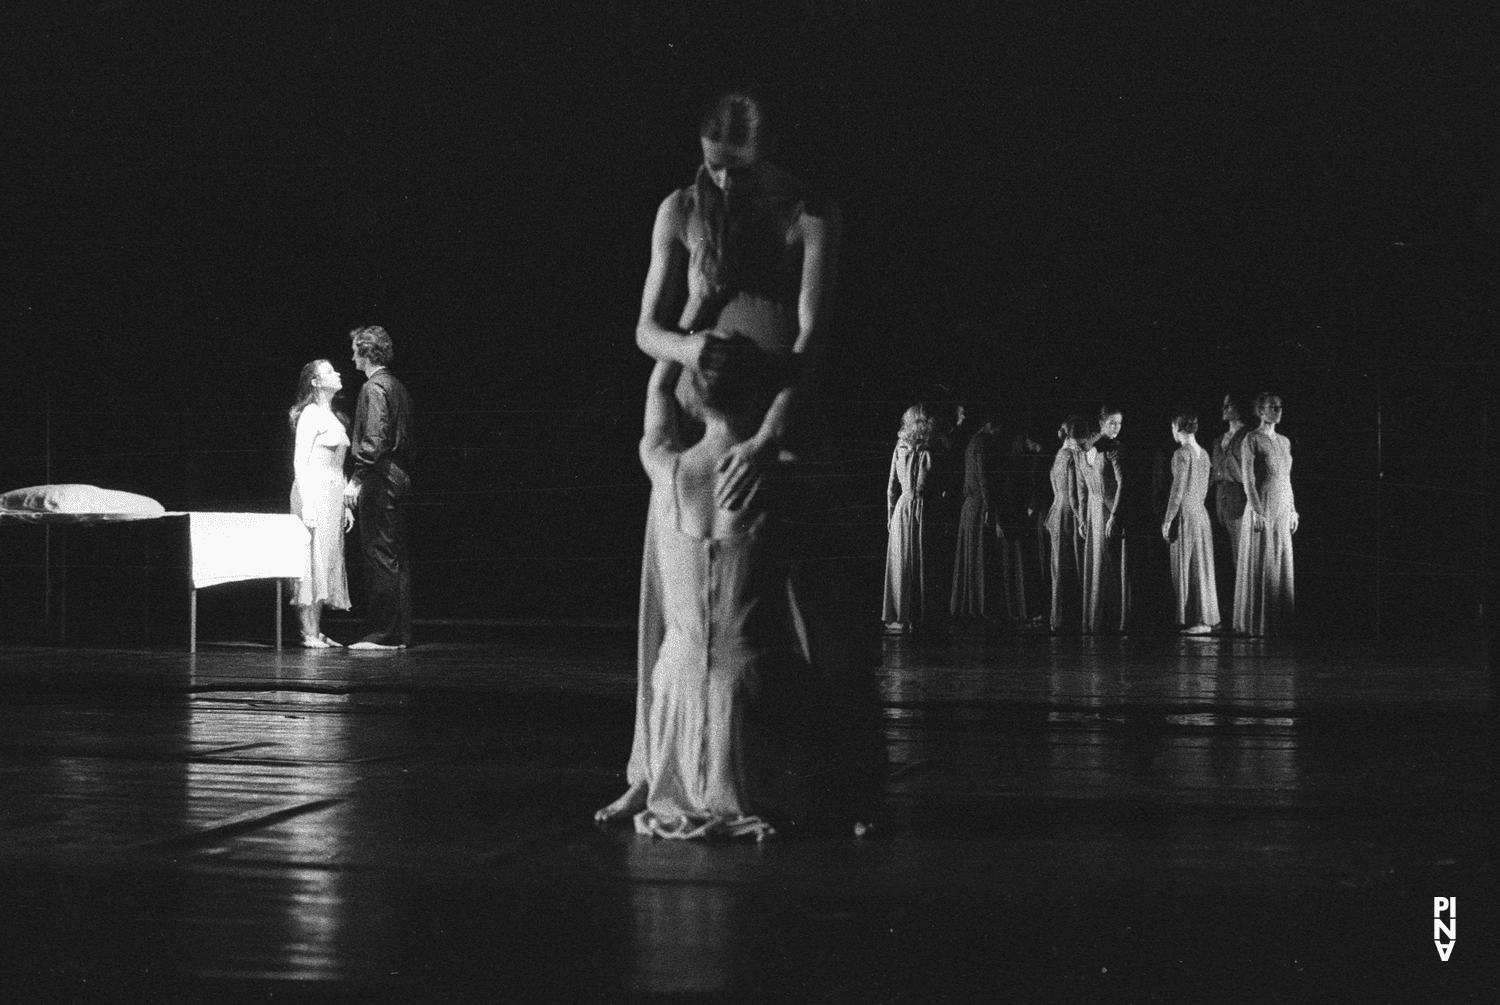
(79, 499)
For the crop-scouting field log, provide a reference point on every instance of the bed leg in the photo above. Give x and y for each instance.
(193, 619)
(278, 615)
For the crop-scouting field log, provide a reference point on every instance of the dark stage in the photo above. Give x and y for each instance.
(1046, 207)
(1139, 819)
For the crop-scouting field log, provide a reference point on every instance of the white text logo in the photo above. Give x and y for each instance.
(1444, 929)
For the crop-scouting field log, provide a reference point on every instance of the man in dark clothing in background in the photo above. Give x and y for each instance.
(381, 444)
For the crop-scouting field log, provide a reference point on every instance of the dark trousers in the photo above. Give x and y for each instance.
(382, 541)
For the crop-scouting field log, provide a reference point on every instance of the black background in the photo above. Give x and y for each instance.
(1047, 205)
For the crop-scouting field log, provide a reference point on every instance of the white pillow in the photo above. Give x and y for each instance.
(79, 499)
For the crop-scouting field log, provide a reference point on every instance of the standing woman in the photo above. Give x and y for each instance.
(1192, 546)
(1065, 527)
(745, 249)
(1016, 527)
(322, 442)
(971, 553)
(904, 605)
(1229, 488)
(1113, 568)
(1264, 592)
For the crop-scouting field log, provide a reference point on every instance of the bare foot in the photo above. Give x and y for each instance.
(367, 644)
(628, 805)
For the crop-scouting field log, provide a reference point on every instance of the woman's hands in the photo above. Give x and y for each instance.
(1294, 522)
(741, 472)
(348, 519)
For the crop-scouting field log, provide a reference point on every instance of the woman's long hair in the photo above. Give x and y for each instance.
(916, 426)
(307, 394)
(741, 245)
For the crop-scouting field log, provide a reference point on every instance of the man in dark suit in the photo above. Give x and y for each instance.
(381, 445)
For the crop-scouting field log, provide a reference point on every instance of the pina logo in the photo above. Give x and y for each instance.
(1444, 929)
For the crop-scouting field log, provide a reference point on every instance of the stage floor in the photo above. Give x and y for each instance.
(1154, 819)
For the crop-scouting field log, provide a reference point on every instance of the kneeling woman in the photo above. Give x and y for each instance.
(726, 709)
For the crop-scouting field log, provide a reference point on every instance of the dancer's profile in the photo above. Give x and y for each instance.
(321, 443)
(904, 603)
(1264, 588)
(1066, 527)
(970, 597)
(1185, 525)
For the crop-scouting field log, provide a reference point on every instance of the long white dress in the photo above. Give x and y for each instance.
(1265, 580)
(318, 497)
(1193, 545)
(707, 743)
(905, 577)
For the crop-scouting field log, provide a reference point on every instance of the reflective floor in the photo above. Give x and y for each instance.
(1153, 819)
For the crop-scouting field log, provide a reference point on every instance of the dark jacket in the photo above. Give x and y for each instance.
(382, 426)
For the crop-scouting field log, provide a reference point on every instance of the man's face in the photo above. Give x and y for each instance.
(1110, 425)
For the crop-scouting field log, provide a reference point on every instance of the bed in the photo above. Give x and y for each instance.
(221, 548)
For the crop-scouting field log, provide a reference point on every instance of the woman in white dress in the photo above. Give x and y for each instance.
(322, 442)
(733, 721)
(1192, 544)
(903, 606)
(1265, 580)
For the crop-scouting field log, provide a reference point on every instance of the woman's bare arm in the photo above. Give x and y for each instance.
(659, 430)
(1179, 487)
(302, 461)
(656, 331)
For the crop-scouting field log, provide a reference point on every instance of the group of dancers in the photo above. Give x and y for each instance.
(1075, 562)
(750, 717)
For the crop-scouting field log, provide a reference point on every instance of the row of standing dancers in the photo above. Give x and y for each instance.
(1080, 561)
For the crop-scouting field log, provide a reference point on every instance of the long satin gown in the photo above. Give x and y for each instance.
(1264, 586)
(1067, 547)
(971, 555)
(1101, 576)
(705, 740)
(904, 601)
(322, 444)
(1192, 541)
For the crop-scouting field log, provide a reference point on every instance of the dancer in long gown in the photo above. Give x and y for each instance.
(1065, 527)
(747, 250)
(321, 445)
(1264, 586)
(1110, 610)
(1192, 544)
(717, 709)
(1016, 526)
(903, 606)
(971, 553)
(1229, 497)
